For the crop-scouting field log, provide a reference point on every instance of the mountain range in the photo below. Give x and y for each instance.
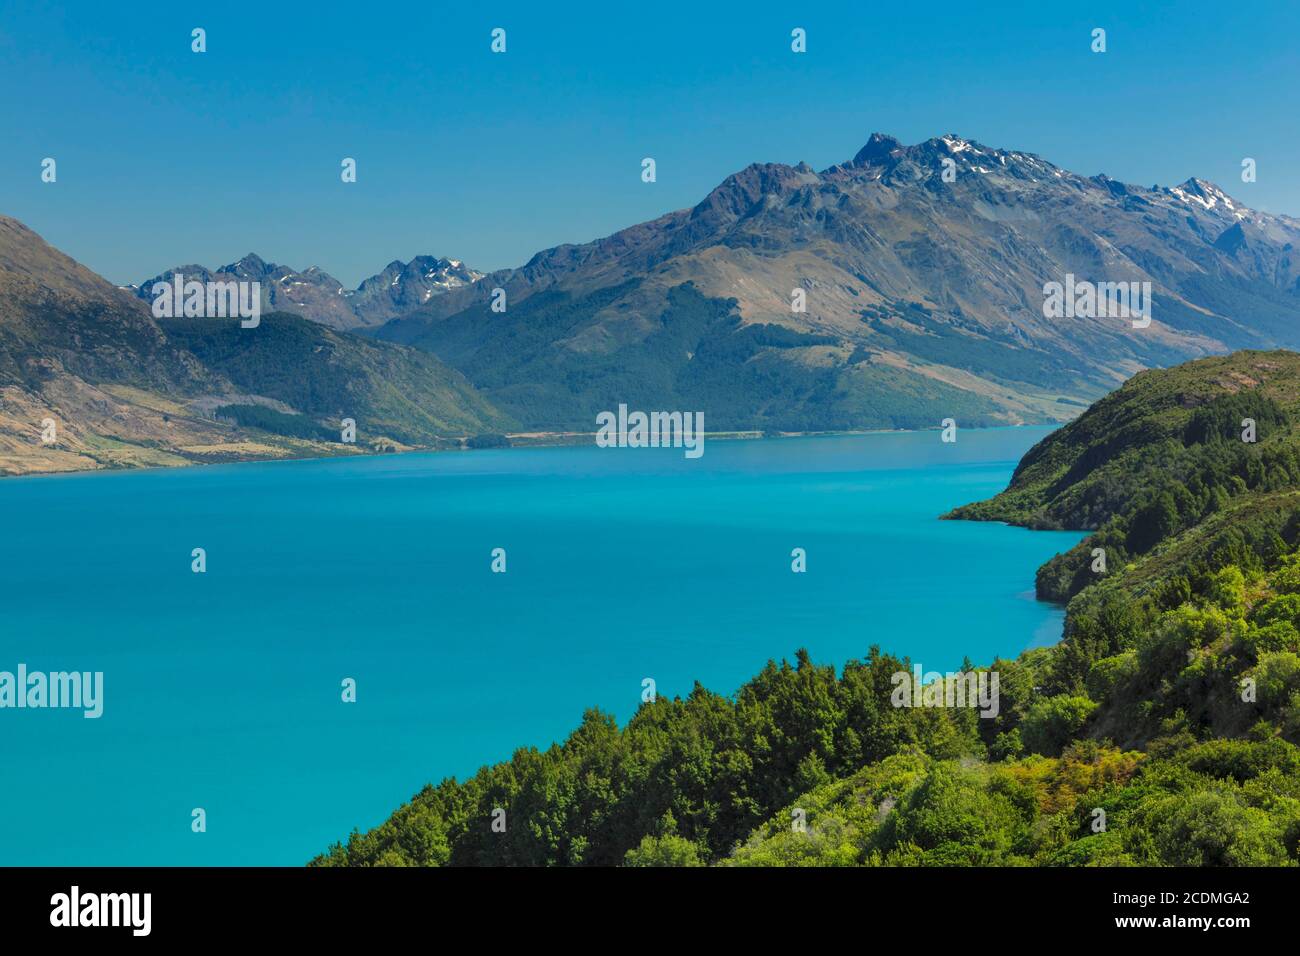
(924, 298)
(921, 269)
(400, 288)
(123, 389)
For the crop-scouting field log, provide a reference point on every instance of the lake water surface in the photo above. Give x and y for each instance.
(222, 690)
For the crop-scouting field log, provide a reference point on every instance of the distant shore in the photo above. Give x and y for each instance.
(309, 450)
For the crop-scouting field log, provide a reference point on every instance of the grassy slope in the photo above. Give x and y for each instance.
(553, 362)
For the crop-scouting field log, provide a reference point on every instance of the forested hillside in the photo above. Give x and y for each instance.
(1162, 730)
(325, 375)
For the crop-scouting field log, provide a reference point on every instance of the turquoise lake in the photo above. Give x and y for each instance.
(223, 690)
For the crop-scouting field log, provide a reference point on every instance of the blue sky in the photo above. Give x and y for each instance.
(167, 157)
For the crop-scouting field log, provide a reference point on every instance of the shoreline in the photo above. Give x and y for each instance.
(518, 441)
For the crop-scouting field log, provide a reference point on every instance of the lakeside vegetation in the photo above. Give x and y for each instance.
(1161, 730)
